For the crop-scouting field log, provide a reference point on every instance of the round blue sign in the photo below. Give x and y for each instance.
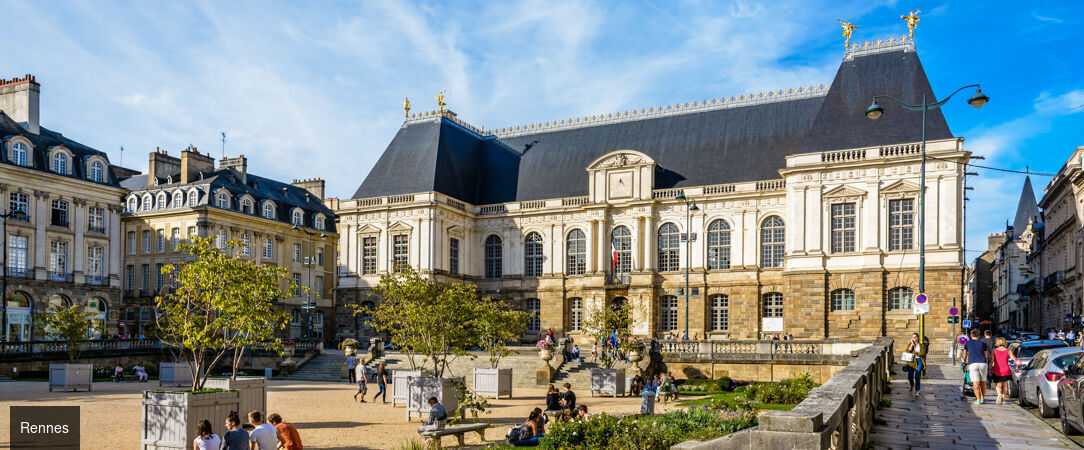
(962, 340)
(920, 299)
(953, 311)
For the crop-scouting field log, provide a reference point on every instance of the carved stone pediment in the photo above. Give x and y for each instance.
(845, 193)
(621, 158)
(901, 189)
(368, 229)
(456, 232)
(400, 226)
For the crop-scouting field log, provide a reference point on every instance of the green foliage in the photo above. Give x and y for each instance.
(790, 391)
(217, 303)
(884, 403)
(603, 431)
(602, 323)
(69, 324)
(468, 402)
(497, 325)
(413, 444)
(703, 385)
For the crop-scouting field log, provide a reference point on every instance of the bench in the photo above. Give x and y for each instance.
(432, 438)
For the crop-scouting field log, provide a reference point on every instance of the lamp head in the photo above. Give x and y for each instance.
(323, 235)
(979, 99)
(681, 195)
(694, 208)
(874, 111)
(294, 228)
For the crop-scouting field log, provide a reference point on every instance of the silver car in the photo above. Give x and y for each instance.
(1038, 383)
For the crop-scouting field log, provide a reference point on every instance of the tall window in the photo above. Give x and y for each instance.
(901, 224)
(148, 203)
(129, 277)
(18, 154)
(193, 197)
(718, 245)
(269, 210)
(17, 255)
(368, 255)
(532, 256)
(318, 223)
(246, 206)
(58, 257)
(94, 261)
(222, 200)
(298, 218)
(576, 253)
(161, 235)
(493, 257)
(318, 290)
(146, 241)
(159, 277)
(669, 248)
(453, 256)
(842, 300)
(97, 172)
(60, 214)
(771, 242)
(621, 240)
(668, 313)
(191, 233)
(842, 227)
(400, 256)
(297, 283)
(19, 201)
(773, 305)
(575, 314)
(246, 245)
(174, 239)
(133, 204)
(534, 322)
(178, 199)
(720, 312)
(161, 201)
(320, 258)
(96, 219)
(297, 252)
(146, 285)
(900, 298)
(60, 163)
(268, 248)
(223, 236)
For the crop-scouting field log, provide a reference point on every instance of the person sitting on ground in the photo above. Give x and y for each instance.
(438, 417)
(236, 438)
(530, 432)
(140, 372)
(576, 353)
(567, 415)
(553, 399)
(568, 398)
(581, 413)
(205, 438)
(290, 437)
(118, 374)
(263, 436)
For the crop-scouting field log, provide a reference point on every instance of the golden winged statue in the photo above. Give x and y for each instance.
(847, 29)
(406, 107)
(440, 100)
(912, 23)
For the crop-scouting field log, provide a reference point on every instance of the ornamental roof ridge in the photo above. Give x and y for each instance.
(893, 44)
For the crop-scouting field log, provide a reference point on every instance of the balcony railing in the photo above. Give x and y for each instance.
(24, 217)
(96, 229)
(618, 279)
(18, 272)
(97, 280)
(63, 277)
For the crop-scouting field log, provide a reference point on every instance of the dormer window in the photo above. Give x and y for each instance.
(161, 201)
(60, 163)
(178, 199)
(222, 200)
(298, 218)
(193, 197)
(269, 210)
(97, 172)
(318, 222)
(133, 204)
(148, 202)
(18, 154)
(246, 206)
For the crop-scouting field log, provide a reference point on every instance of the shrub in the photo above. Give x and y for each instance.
(790, 391)
(604, 431)
(724, 384)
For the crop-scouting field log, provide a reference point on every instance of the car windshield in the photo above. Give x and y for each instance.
(1031, 350)
(1065, 361)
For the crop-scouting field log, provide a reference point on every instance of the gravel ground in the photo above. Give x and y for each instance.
(324, 413)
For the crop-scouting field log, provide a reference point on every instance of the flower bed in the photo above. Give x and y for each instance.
(604, 431)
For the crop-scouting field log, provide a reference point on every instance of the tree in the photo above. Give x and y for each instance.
(604, 323)
(70, 324)
(218, 303)
(496, 325)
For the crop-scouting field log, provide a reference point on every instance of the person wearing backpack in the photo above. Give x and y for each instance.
(529, 432)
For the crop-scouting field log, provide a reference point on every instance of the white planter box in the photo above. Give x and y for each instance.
(174, 374)
(252, 391)
(399, 380)
(421, 388)
(608, 382)
(493, 382)
(71, 377)
(170, 418)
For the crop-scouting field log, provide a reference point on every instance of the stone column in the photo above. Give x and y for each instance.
(116, 235)
(591, 230)
(41, 216)
(77, 249)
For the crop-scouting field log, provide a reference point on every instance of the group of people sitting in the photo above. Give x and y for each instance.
(272, 435)
(138, 371)
(664, 386)
(561, 406)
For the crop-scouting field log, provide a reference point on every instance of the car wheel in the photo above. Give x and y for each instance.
(1066, 427)
(1044, 411)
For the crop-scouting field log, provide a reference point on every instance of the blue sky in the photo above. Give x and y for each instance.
(308, 89)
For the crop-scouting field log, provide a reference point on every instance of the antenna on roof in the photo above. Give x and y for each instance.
(223, 144)
(122, 156)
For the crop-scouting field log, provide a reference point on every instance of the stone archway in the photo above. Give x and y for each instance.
(20, 320)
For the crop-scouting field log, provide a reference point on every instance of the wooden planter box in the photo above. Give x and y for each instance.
(170, 418)
(252, 391)
(493, 382)
(423, 387)
(399, 380)
(608, 382)
(174, 374)
(71, 377)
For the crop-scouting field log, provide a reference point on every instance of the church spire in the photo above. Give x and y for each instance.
(1027, 209)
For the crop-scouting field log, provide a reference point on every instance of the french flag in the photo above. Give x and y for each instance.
(613, 255)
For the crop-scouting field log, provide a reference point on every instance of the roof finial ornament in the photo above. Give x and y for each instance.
(912, 23)
(440, 101)
(847, 29)
(406, 107)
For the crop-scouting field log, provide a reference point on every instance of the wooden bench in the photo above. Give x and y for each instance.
(432, 438)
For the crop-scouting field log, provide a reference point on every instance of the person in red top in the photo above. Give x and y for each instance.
(1002, 370)
(291, 439)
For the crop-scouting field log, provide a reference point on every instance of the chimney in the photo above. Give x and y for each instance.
(192, 163)
(161, 165)
(994, 241)
(239, 163)
(19, 100)
(315, 186)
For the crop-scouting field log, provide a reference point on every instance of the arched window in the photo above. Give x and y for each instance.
(133, 204)
(178, 199)
(60, 163)
(493, 257)
(18, 154)
(222, 200)
(668, 313)
(298, 218)
(621, 239)
(97, 172)
(842, 300)
(161, 201)
(576, 253)
(773, 305)
(148, 203)
(900, 298)
(269, 210)
(575, 314)
(669, 245)
(534, 323)
(720, 312)
(718, 245)
(193, 197)
(246, 206)
(532, 255)
(318, 223)
(771, 242)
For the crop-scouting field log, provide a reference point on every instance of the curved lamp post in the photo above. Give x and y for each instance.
(874, 112)
(308, 280)
(690, 206)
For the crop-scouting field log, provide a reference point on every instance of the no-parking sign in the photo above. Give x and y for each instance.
(922, 305)
(962, 340)
(953, 311)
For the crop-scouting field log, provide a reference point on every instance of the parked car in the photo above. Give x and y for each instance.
(1071, 399)
(1023, 352)
(1038, 383)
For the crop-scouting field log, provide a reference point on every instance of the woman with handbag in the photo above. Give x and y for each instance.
(1002, 369)
(912, 358)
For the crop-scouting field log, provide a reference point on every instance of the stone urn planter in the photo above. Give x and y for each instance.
(170, 418)
(350, 350)
(252, 391)
(546, 355)
(636, 354)
(71, 377)
(288, 351)
(493, 382)
(399, 382)
(174, 374)
(420, 388)
(608, 382)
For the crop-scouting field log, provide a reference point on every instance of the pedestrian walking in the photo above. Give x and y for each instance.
(291, 439)
(263, 435)
(1070, 338)
(381, 383)
(236, 438)
(988, 339)
(914, 358)
(976, 356)
(362, 376)
(351, 363)
(1002, 370)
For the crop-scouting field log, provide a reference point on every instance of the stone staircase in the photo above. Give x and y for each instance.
(578, 374)
(325, 367)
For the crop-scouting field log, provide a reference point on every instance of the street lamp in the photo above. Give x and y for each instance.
(875, 112)
(18, 215)
(308, 280)
(690, 206)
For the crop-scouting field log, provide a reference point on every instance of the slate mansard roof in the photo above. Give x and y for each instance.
(697, 147)
(44, 141)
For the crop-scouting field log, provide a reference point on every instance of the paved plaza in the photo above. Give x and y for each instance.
(940, 419)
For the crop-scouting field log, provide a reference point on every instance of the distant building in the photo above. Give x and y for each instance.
(979, 303)
(188, 196)
(1010, 268)
(63, 246)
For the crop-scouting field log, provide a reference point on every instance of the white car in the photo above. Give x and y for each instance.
(1038, 384)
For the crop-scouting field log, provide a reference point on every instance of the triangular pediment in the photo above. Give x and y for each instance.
(399, 226)
(456, 232)
(367, 229)
(844, 191)
(901, 186)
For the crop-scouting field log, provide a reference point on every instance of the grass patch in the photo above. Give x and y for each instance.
(731, 398)
(884, 403)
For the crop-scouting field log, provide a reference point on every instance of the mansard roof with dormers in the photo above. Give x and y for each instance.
(727, 140)
(42, 143)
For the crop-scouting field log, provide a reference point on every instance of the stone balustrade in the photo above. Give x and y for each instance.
(761, 350)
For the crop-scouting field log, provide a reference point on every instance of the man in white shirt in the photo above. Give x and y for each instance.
(362, 378)
(263, 436)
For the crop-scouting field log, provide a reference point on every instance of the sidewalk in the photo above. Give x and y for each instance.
(940, 419)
